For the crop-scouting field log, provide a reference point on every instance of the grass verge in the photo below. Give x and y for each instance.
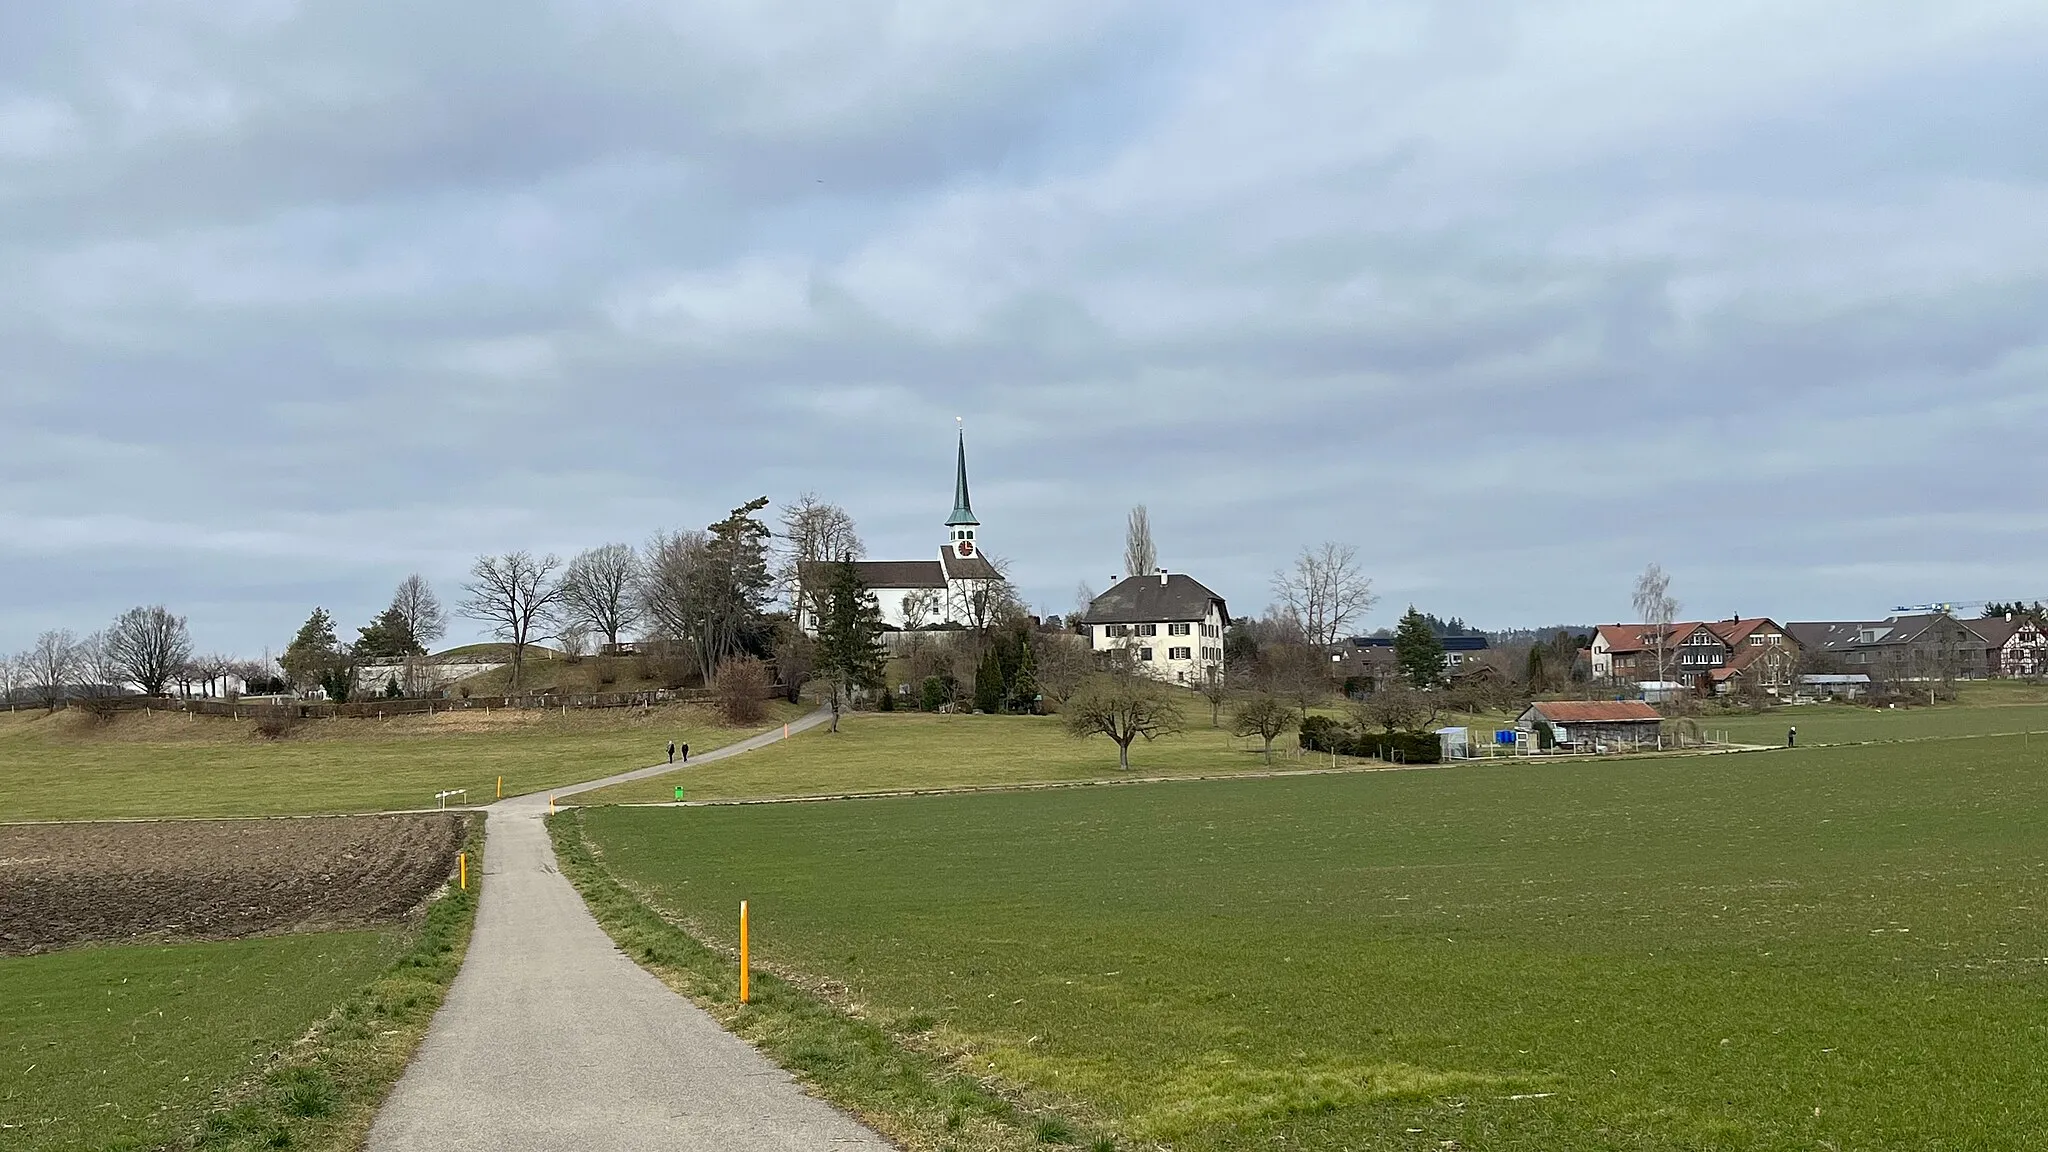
(926, 1101)
(324, 1091)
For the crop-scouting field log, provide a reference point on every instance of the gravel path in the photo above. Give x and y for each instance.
(553, 1039)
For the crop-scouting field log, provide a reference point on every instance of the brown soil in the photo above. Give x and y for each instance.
(68, 884)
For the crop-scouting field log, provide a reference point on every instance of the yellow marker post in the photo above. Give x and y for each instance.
(785, 731)
(462, 863)
(551, 803)
(743, 952)
(501, 787)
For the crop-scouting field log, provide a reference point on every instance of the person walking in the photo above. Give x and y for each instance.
(686, 753)
(1792, 736)
(671, 751)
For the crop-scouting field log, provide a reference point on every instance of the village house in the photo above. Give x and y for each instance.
(2015, 645)
(1370, 659)
(1922, 646)
(1168, 625)
(1716, 657)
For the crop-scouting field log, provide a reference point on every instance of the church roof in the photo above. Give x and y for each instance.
(968, 567)
(881, 573)
(1151, 600)
(963, 508)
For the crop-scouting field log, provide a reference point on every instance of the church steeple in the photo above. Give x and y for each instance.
(963, 509)
(962, 524)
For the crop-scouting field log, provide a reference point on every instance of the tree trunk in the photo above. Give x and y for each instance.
(1269, 749)
(1123, 755)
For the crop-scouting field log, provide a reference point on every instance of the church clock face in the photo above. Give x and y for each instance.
(967, 547)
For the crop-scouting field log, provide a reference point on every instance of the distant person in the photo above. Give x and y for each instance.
(686, 753)
(671, 751)
(1792, 736)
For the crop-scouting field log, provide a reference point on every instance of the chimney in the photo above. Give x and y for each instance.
(1162, 576)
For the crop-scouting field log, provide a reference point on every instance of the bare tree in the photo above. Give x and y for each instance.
(1393, 705)
(147, 647)
(597, 591)
(1141, 557)
(13, 678)
(813, 531)
(1122, 708)
(51, 666)
(1265, 716)
(98, 673)
(415, 601)
(514, 594)
(1324, 592)
(1215, 691)
(1063, 666)
(988, 604)
(921, 605)
(1656, 609)
(1295, 671)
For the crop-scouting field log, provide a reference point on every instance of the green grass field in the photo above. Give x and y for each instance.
(1834, 948)
(123, 1047)
(1849, 724)
(70, 766)
(885, 751)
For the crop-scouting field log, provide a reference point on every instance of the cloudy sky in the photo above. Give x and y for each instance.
(297, 298)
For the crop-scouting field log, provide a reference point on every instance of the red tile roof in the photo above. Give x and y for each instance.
(1594, 711)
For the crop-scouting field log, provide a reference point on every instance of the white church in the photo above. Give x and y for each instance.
(925, 593)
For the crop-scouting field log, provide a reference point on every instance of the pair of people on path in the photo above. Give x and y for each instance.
(672, 752)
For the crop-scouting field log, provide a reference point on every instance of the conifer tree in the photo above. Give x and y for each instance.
(988, 681)
(1418, 651)
(850, 651)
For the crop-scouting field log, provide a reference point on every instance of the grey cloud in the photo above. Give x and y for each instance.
(302, 297)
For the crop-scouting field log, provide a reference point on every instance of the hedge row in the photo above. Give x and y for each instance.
(1323, 734)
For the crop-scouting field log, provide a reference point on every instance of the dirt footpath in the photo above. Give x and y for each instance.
(68, 884)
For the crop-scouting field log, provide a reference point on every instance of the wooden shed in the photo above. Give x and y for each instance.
(1596, 725)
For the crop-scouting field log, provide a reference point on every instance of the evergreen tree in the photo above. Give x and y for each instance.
(388, 637)
(1023, 682)
(312, 652)
(988, 681)
(850, 651)
(1418, 651)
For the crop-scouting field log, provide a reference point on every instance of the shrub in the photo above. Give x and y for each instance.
(934, 694)
(1322, 734)
(888, 701)
(741, 687)
(277, 725)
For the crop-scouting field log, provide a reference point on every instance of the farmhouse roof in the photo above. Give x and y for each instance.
(1595, 711)
(1450, 643)
(1154, 600)
(1841, 635)
(1996, 630)
(881, 573)
(1626, 638)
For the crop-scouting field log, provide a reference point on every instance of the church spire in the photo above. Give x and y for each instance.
(963, 509)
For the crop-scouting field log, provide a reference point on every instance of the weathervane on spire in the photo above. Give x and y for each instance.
(962, 522)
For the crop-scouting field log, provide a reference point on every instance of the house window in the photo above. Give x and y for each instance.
(1148, 629)
(1179, 629)
(1145, 654)
(1179, 654)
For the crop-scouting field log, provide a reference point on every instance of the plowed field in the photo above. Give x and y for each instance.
(68, 884)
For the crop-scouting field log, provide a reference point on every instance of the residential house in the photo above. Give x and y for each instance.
(1707, 656)
(1595, 724)
(1923, 646)
(1168, 624)
(1371, 658)
(2015, 645)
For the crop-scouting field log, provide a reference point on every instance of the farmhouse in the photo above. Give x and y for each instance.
(1598, 724)
(2016, 645)
(1924, 646)
(1169, 624)
(917, 594)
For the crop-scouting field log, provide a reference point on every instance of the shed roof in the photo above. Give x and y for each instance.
(1596, 711)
